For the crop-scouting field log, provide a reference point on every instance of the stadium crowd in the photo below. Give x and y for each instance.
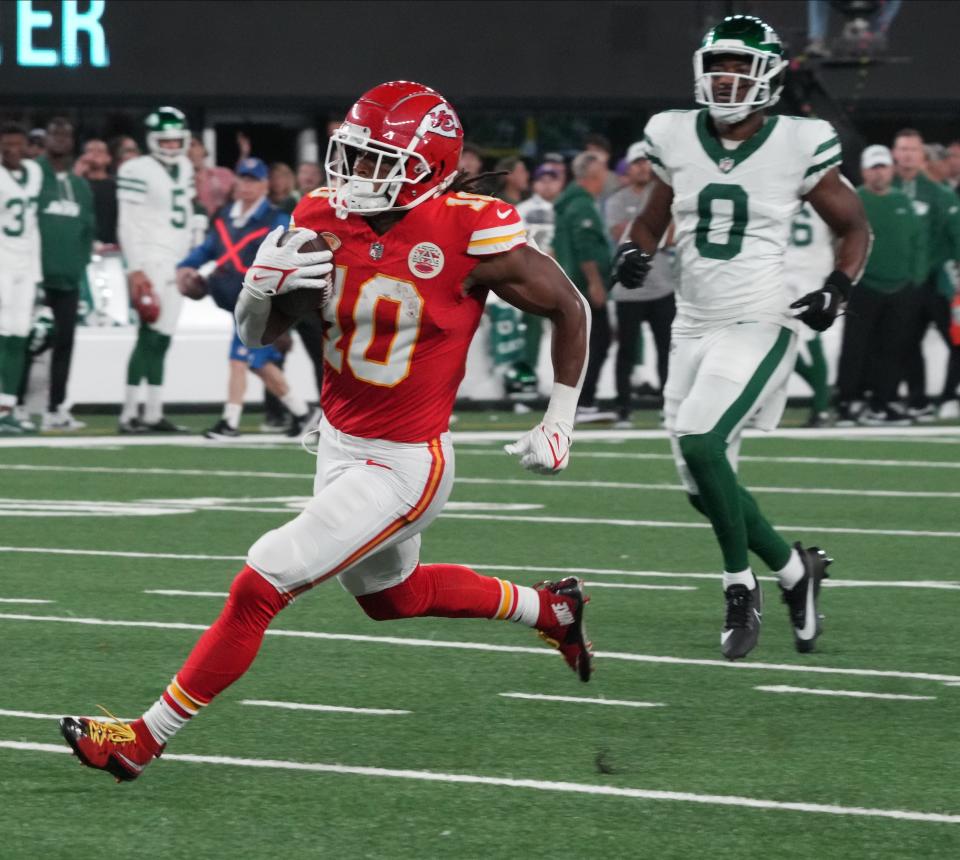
(63, 202)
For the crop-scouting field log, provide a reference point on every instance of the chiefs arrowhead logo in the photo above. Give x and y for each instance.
(440, 120)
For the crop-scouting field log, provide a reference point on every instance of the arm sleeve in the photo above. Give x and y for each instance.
(131, 211)
(497, 227)
(824, 153)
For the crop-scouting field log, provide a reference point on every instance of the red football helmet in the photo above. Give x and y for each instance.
(413, 137)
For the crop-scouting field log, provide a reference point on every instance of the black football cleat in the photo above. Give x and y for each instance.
(164, 425)
(741, 629)
(801, 600)
(569, 634)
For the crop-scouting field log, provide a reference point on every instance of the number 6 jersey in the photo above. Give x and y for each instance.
(399, 324)
(732, 209)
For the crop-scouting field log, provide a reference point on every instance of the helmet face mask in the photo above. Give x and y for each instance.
(399, 146)
(167, 124)
(751, 82)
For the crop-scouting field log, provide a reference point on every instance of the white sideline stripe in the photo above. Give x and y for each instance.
(534, 784)
(580, 700)
(663, 574)
(812, 461)
(175, 592)
(295, 706)
(673, 524)
(123, 470)
(484, 646)
(853, 694)
(23, 600)
(33, 715)
(623, 485)
(641, 586)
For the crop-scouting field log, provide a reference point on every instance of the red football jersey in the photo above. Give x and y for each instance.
(399, 324)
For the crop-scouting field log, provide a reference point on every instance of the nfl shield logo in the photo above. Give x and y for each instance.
(376, 251)
(725, 164)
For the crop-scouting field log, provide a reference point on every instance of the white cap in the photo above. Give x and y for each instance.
(636, 152)
(875, 156)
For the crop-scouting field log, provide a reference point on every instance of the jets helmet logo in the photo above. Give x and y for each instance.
(440, 120)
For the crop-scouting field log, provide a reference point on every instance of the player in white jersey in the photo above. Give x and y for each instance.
(155, 194)
(20, 271)
(732, 179)
(808, 261)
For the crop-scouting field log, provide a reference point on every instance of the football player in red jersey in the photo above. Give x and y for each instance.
(401, 296)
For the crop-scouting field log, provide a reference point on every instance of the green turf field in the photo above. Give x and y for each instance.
(689, 757)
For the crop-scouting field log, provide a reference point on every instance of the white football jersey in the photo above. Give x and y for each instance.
(810, 257)
(155, 210)
(732, 208)
(19, 234)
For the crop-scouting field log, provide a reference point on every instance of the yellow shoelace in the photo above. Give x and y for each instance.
(116, 732)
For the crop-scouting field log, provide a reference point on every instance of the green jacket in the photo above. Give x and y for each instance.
(898, 256)
(580, 235)
(67, 227)
(939, 211)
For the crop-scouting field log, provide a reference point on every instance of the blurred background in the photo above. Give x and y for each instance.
(534, 82)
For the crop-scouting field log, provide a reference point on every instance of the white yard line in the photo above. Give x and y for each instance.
(484, 646)
(580, 700)
(641, 586)
(295, 706)
(24, 600)
(677, 524)
(852, 694)
(948, 585)
(175, 592)
(530, 784)
(306, 475)
(33, 715)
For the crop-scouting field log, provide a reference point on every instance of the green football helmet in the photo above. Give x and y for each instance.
(750, 38)
(163, 125)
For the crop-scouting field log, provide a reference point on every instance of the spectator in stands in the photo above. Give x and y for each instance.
(214, 184)
(123, 148)
(874, 329)
(471, 160)
(65, 213)
(953, 164)
(938, 166)
(309, 177)
(538, 220)
(94, 166)
(559, 164)
(939, 211)
(513, 186)
(584, 252)
(859, 33)
(283, 187)
(36, 143)
(654, 301)
(236, 233)
(600, 145)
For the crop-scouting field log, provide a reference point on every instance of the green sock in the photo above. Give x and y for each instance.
(815, 374)
(136, 367)
(14, 360)
(706, 458)
(157, 346)
(4, 387)
(762, 538)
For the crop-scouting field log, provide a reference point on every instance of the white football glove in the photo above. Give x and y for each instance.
(280, 269)
(545, 449)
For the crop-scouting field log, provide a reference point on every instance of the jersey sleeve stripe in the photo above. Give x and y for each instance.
(496, 232)
(823, 165)
(123, 186)
(493, 240)
(501, 246)
(834, 141)
(132, 179)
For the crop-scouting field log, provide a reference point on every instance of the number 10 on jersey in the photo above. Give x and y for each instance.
(374, 331)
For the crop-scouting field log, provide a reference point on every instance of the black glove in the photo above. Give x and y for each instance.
(823, 305)
(630, 265)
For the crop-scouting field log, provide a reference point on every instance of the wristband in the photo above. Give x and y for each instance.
(563, 404)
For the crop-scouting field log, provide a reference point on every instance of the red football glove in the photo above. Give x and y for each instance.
(144, 300)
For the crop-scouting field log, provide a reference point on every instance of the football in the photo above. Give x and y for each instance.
(299, 303)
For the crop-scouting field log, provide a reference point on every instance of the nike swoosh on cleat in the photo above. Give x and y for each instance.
(724, 636)
(809, 629)
(131, 764)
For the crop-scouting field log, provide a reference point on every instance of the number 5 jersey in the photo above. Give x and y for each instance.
(733, 208)
(400, 322)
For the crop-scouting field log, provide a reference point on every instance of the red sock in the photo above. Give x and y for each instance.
(226, 650)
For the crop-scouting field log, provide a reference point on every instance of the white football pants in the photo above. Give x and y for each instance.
(17, 295)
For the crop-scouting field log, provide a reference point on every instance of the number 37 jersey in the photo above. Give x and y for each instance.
(399, 324)
(733, 208)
